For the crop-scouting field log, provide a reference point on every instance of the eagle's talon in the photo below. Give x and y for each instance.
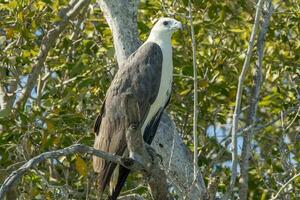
(128, 161)
(151, 152)
(134, 125)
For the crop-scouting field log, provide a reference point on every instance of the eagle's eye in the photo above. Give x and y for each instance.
(165, 23)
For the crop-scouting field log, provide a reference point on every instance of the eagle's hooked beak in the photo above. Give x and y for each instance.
(176, 25)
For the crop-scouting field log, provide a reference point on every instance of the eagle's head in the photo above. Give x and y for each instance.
(164, 27)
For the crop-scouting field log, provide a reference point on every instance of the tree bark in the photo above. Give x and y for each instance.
(177, 160)
(121, 17)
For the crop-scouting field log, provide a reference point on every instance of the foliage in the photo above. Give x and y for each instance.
(79, 69)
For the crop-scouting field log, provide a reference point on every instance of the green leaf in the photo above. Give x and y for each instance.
(80, 166)
(236, 30)
(4, 113)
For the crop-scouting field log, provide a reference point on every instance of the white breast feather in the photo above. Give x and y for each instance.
(166, 78)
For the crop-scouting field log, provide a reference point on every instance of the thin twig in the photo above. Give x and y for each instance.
(274, 120)
(286, 184)
(195, 121)
(293, 120)
(238, 101)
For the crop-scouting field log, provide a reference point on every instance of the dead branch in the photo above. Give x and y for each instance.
(12, 179)
(239, 99)
(195, 117)
(247, 137)
(286, 184)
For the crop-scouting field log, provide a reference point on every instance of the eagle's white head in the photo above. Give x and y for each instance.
(164, 28)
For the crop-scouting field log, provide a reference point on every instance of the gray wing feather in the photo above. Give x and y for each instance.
(141, 75)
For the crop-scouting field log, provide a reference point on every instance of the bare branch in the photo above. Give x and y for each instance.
(47, 43)
(151, 170)
(3, 101)
(195, 118)
(286, 184)
(243, 189)
(148, 164)
(238, 100)
(274, 120)
(76, 148)
(293, 120)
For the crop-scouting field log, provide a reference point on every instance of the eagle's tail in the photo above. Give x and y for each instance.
(105, 176)
(122, 175)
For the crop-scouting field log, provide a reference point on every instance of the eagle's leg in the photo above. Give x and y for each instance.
(151, 151)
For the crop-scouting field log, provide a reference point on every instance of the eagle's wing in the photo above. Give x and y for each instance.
(141, 75)
(149, 134)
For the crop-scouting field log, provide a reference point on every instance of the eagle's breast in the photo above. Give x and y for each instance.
(165, 82)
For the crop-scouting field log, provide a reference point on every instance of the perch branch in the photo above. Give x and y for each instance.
(11, 180)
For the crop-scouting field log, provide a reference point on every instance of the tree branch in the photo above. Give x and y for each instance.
(131, 197)
(76, 148)
(195, 118)
(11, 180)
(247, 137)
(238, 101)
(274, 120)
(286, 184)
(121, 17)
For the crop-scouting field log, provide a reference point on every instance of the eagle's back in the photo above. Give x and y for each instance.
(140, 75)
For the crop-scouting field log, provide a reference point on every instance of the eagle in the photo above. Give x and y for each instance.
(148, 74)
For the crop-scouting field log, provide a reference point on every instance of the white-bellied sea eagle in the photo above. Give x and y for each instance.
(147, 73)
